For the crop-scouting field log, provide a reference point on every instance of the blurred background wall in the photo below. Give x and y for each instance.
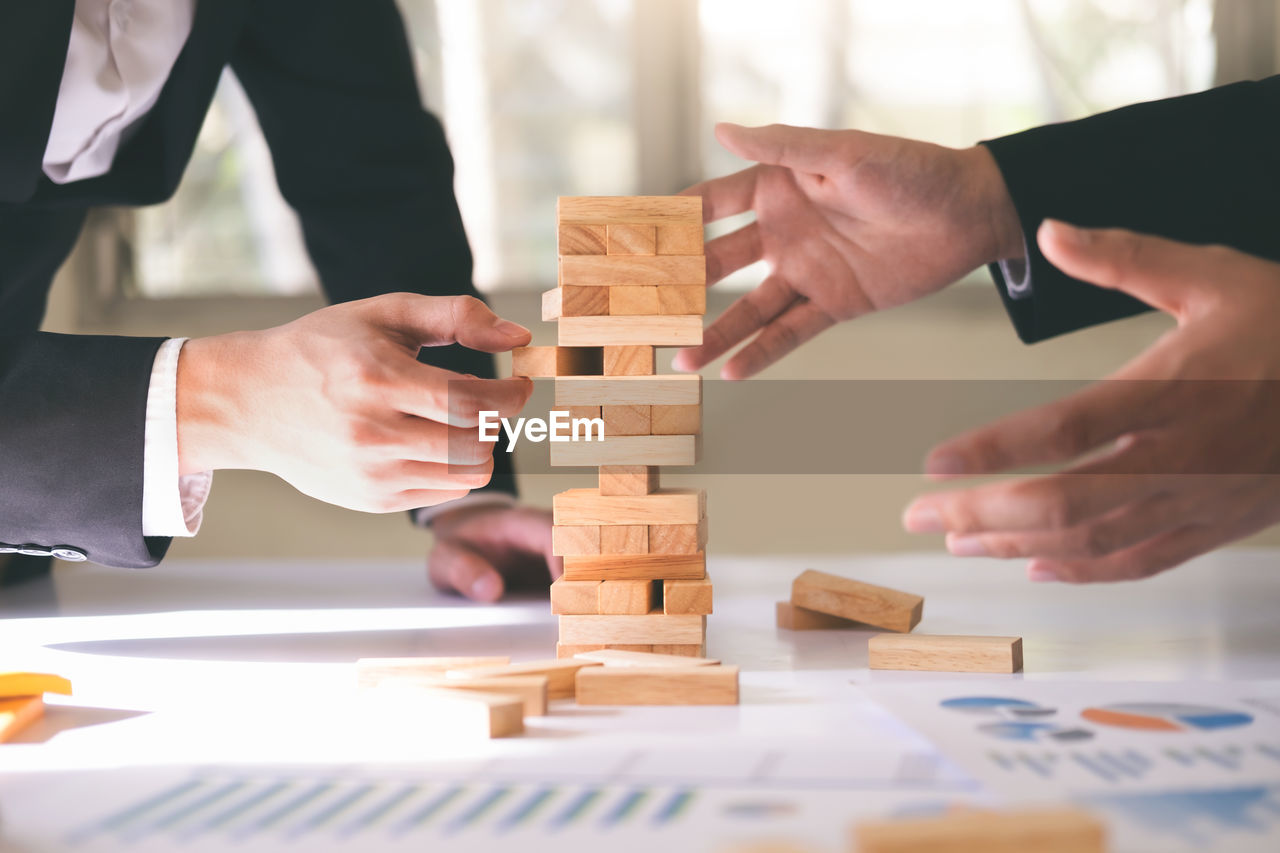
(542, 98)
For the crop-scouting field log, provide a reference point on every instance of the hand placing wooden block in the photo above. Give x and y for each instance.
(792, 618)
(629, 480)
(636, 567)
(626, 450)
(675, 420)
(575, 597)
(631, 239)
(862, 602)
(625, 420)
(575, 540)
(559, 673)
(679, 330)
(617, 657)
(1052, 830)
(665, 506)
(625, 598)
(939, 653)
(678, 538)
(624, 539)
(650, 628)
(541, 362)
(629, 361)
(660, 685)
(629, 210)
(582, 240)
(662, 390)
(686, 597)
(370, 672)
(679, 240)
(18, 712)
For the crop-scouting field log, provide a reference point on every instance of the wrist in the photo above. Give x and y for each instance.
(212, 418)
(1003, 238)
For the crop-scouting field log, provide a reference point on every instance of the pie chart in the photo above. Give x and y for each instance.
(997, 706)
(1165, 717)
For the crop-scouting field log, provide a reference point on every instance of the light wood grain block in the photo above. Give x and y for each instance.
(634, 301)
(889, 609)
(582, 240)
(18, 712)
(675, 420)
(626, 598)
(1042, 830)
(370, 672)
(629, 361)
(634, 209)
(636, 567)
(940, 653)
(688, 650)
(541, 362)
(631, 239)
(625, 420)
(575, 302)
(665, 506)
(531, 689)
(667, 389)
(654, 627)
(681, 299)
(576, 540)
(659, 331)
(564, 651)
(626, 450)
(579, 412)
(680, 239)
(678, 538)
(686, 597)
(32, 684)
(575, 597)
(624, 539)
(629, 480)
(613, 270)
(659, 685)
(559, 672)
(617, 657)
(792, 618)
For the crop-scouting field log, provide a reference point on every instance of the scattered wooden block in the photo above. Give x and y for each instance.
(539, 362)
(18, 712)
(794, 618)
(625, 598)
(880, 606)
(574, 597)
(681, 299)
(582, 240)
(678, 538)
(636, 209)
(628, 479)
(665, 506)
(611, 270)
(652, 627)
(531, 689)
(659, 685)
(370, 672)
(663, 331)
(575, 540)
(1044, 830)
(688, 650)
(624, 539)
(559, 673)
(691, 597)
(629, 361)
(467, 713)
(636, 567)
(675, 420)
(574, 302)
(632, 239)
(634, 301)
(626, 450)
(32, 684)
(939, 653)
(668, 389)
(625, 420)
(617, 657)
(679, 240)
(563, 651)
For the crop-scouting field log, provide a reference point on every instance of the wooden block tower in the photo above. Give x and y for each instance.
(632, 278)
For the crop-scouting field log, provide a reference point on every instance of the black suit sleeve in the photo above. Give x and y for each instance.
(1202, 168)
(364, 164)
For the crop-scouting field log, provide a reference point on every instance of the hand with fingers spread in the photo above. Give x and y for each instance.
(481, 551)
(1190, 450)
(849, 223)
(337, 404)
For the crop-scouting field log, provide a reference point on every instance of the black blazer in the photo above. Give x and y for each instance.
(1203, 168)
(364, 165)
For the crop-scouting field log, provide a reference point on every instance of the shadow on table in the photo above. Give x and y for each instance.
(62, 718)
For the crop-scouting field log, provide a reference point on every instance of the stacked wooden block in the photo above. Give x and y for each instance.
(632, 277)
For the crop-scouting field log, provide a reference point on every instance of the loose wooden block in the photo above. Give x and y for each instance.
(468, 713)
(626, 450)
(680, 239)
(563, 651)
(634, 301)
(617, 657)
(1043, 830)
(688, 650)
(625, 598)
(794, 618)
(370, 672)
(625, 420)
(659, 331)
(668, 389)
(582, 240)
(659, 685)
(675, 420)
(531, 689)
(575, 597)
(575, 302)
(654, 627)
(634, 209)
(680, 299)
(624, 539)
(18, 712)
(632, 239)
(686, 597)
(629, 361)
(559, 673)
(678, 538)
(575, 540)
(629, 480)
(636, 567)
(880, 606)
(665, 506)
(556, 361)
(32, 684)
(945, 653)
(610, 270)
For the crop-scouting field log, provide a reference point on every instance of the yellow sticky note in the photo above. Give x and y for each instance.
(32, 684)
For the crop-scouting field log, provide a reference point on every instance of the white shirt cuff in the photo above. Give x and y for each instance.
(1017, 274)
(422, 517)
(172, 505)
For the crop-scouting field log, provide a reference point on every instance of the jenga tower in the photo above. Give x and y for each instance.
(632, 277)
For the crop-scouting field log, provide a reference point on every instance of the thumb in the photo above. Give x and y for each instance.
(453, 566)
(432, 321)
(801, 148)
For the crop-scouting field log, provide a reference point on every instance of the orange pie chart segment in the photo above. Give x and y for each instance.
(1125, 720)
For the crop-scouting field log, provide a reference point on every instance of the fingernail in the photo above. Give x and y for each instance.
(944, 465)
(486, 588)
(1039, 573)
(921, 517)
(966, 546)
(510, 329)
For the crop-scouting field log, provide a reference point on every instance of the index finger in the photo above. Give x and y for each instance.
(450, 398)
(727, 195)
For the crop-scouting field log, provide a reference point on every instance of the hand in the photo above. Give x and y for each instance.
(479, 550)
(337, 404)
(1188, 429)
(850, 223)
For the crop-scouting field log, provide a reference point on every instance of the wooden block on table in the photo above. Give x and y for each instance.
(1043, 830)
(575, 302)
(624, 539)
(632, 301)
(575, 597)
(665, 506)
(625, 420)
(880, 606)
(679, 240)
(625, 598)
(686, 597)
(794, 618)
(556, 361)
(559, 672)
(675, 420)
(617, 657)
(630, 239)
(637, 567)
(628, 479)
(564, 651)
(668, 389)
(939, 653)
(18, 712)
(629, 361)
(681, 299)
(677, 330)
(632, 209)
(32, 684)
(370, 672)
(576, 540)
(659, 685)
(588, 412)
(531, 689)
(582, 240)
(626, 450)
(469, 713)
(654, 627)
(678, 538)
(612, 270)
(688, 650)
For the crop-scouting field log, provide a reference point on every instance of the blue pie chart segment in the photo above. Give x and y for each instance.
(986, 704)
(1167, 716)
